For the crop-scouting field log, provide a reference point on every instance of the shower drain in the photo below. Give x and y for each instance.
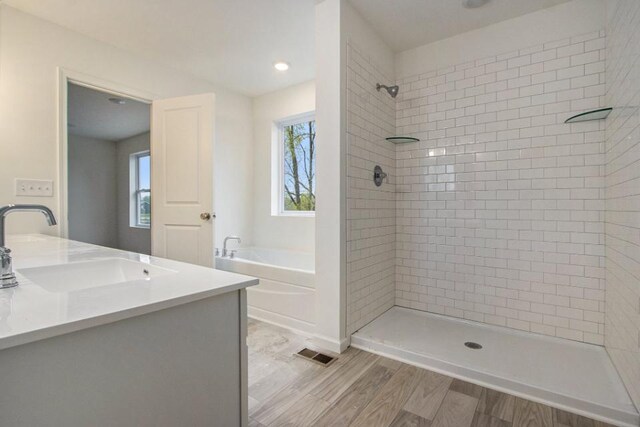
(473, 345)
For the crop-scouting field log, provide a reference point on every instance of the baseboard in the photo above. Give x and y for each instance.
(296, 325)
(300, 327)
(331, 344)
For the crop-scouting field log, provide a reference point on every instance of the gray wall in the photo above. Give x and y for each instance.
(99, 193)
(130, 238)
(92, 191)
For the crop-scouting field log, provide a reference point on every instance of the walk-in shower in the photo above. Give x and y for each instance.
(491, 228)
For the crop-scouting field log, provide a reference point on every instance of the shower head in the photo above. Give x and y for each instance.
(392, 90)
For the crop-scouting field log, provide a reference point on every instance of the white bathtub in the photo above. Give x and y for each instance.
(286, 293)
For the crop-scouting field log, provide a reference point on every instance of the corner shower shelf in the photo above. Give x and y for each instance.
(402, 139)
(598, 114)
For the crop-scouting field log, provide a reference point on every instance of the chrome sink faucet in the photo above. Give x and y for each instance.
(7, 276)
(224, 245)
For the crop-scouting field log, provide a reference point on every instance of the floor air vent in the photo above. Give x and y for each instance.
(314, 356)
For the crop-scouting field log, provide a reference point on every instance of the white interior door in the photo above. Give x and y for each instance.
(182, 216)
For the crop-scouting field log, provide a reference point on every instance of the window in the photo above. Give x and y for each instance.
(141, 189)
(296, 167)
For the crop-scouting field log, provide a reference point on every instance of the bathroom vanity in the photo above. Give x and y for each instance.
(94, 336)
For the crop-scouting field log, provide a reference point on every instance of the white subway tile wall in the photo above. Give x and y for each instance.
(500, 207)
(622, 324)
(370, 210)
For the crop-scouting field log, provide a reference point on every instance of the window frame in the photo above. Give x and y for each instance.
(135, 190)
(277, 165)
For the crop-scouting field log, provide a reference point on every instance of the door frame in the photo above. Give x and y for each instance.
(66, 76)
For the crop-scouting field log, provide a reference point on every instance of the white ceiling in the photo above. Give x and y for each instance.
(233, 43)
(91, 114)
(405, 24)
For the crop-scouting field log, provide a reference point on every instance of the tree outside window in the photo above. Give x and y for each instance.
(299, 166)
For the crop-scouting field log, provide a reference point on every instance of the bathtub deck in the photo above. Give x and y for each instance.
(365, 389)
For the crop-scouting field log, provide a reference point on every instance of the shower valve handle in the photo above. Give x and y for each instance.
(378, 175)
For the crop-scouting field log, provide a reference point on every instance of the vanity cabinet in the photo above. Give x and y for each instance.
(185, 365)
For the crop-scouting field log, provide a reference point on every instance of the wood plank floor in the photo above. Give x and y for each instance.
(363, 389)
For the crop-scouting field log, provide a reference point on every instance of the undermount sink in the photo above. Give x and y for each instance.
(91, 274)
(26, 238)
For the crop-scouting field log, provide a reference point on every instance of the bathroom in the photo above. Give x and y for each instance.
(405, 213)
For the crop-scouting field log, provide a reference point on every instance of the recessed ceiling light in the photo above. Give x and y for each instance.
(118, 101)
(472, 4)
(281, 66)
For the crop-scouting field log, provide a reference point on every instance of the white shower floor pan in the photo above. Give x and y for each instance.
(565, 374)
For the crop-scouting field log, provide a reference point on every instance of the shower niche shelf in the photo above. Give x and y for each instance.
(598, 114)
(402, 139)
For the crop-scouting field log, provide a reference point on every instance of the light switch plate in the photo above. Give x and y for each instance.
(34, 187)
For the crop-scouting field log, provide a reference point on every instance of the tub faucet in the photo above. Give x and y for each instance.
(224, 245)
(7, 276)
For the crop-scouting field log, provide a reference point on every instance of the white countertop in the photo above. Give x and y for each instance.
(29, 312)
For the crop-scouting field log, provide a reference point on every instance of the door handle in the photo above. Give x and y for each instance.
(206, 216)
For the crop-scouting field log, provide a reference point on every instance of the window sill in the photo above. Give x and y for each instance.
(295, 214)
(141, 227)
